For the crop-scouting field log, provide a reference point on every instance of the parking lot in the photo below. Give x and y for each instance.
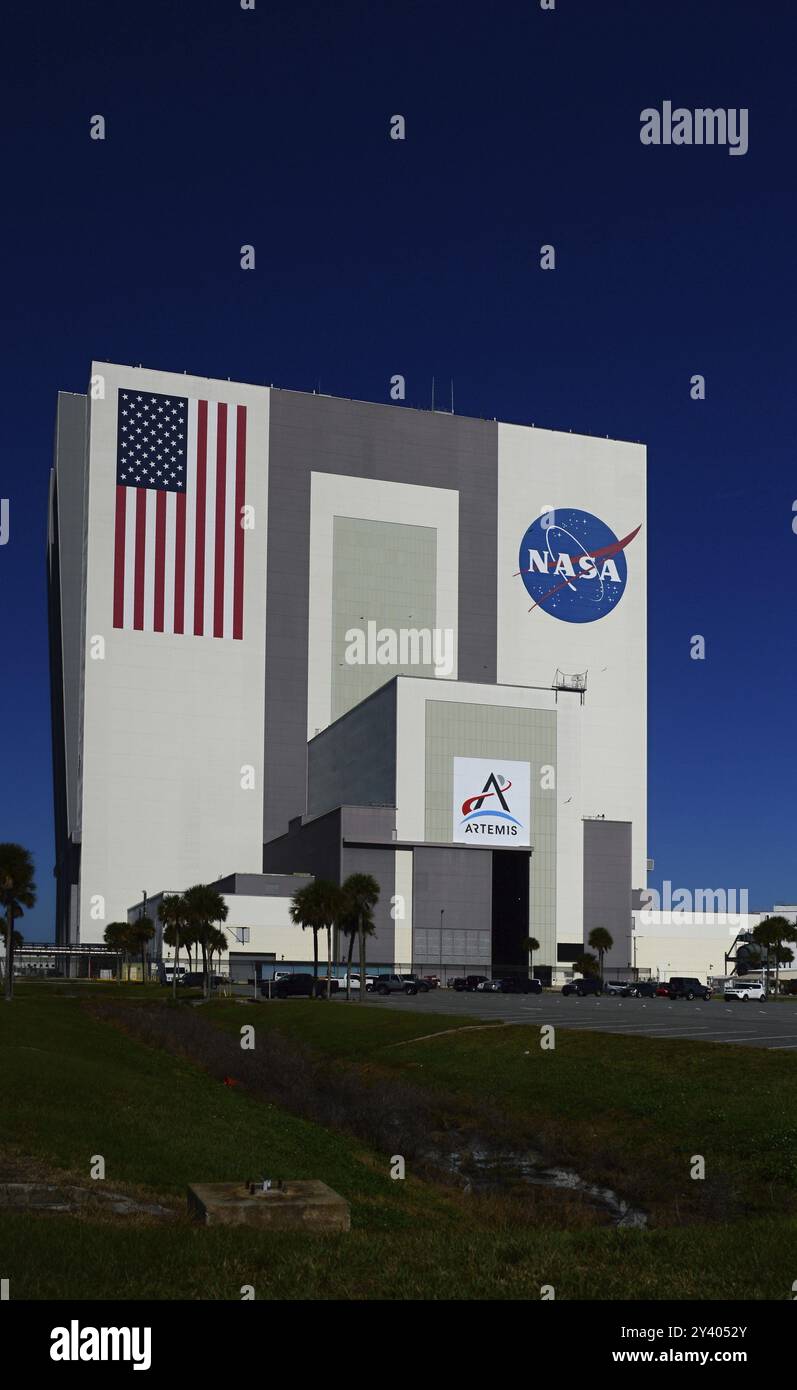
(769, 1025)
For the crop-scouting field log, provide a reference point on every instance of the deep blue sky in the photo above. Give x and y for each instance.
(375, 257)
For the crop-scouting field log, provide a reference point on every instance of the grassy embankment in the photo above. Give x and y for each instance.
(628, 1112)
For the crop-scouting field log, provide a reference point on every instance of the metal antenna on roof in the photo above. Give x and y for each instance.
(432, 393)
(452, 395)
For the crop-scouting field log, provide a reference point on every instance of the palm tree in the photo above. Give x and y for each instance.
(17, 891)
(586, 964)
(531, 944)
(304, 911)
(347, 924)
(139, 933)
(117, 935)
(360, 896)
(172, 913)
(601, 941)
(17, 941)
(189, 940)
(204, 907)
(217, 945)
(331, 910)
(771, 934)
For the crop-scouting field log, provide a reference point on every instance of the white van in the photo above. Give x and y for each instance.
(741, 988)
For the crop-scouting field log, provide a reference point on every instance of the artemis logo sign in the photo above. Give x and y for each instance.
(492, 801)
(573, 565)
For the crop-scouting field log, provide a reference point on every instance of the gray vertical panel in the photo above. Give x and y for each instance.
(499, 731)
(383, 573)
(381, 863)
(460, 881)
(607, 885)
(353, 762)
(322, 434)
(71, 505)
(65, 609)
(307, 849)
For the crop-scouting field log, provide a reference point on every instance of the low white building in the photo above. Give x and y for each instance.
(259, 930)
(696, 943)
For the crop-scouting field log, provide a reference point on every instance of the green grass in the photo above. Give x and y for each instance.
(74, 1087)
(628, 1111)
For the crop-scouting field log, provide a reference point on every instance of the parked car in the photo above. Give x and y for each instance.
(469, 982)
(742, 989)
(662, 990)
(619, 988)
(326, 988)
(393, 984)
(687, 987)
(432, 981)
(589, 984)
(423, 986)
(167, 972)
(298, 986)
(489, 986)
(520, 984)
(643, 989)
(195, 979)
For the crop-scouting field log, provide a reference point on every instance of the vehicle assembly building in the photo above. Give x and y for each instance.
(294, 634)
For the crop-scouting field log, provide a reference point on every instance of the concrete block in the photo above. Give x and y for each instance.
(301, 1205)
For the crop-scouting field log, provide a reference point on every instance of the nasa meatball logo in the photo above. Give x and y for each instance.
(573, 566)
(491, 801)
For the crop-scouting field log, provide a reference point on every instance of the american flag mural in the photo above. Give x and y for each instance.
(178, 541)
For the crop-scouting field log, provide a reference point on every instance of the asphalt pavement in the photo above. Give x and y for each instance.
(748, 1024)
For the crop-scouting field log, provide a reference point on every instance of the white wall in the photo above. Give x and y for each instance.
(270, 929)
(680, 943)
(540, 470)
(402, 950)
(168, 721)
(413, 694)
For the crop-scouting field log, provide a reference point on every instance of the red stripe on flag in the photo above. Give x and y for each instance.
(199, 553)
(221, 489)
(160, 559)
(141, 534)
(119, 558)
(240, 483)
(179, 564)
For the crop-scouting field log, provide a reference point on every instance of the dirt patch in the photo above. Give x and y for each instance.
(31, 1185)
(446, 1032)
(36, 1196)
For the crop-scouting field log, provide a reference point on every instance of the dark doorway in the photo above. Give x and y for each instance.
(510, 912)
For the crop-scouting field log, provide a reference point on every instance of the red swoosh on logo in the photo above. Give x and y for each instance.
(605, 551)
(482, 796)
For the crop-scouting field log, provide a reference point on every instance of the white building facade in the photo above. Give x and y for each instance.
(287, 629)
